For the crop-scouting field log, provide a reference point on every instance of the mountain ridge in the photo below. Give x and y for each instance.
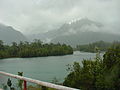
(81, 31)
(8, 34)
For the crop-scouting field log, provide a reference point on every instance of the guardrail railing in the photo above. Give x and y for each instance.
(42, 83)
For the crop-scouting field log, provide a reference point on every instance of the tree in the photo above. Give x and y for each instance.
(34, 49)
(97, 74)
(1, 45)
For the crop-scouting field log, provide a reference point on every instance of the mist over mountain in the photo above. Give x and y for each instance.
(8, 34)
(39, 16)
(85, 38)
(75, 32)
(78, 31)
(72, 27)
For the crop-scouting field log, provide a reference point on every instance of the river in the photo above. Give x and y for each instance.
(43, 68)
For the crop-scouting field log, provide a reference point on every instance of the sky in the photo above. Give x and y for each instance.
(38, 16)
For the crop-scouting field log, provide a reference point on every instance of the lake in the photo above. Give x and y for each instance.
(43, 68)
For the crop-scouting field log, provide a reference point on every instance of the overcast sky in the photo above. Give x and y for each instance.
(42, 15)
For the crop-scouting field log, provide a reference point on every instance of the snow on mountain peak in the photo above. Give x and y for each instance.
(73, 21)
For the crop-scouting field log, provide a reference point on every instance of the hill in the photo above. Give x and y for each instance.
(8, 34)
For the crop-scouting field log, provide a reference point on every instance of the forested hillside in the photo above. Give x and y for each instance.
(91, 47)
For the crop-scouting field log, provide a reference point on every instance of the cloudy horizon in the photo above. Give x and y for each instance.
(39, 16)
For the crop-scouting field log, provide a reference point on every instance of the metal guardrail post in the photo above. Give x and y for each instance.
(25, 85)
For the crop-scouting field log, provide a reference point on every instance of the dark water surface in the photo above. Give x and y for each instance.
(43, 68)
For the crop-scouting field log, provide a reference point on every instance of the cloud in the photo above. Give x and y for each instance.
(43, 15)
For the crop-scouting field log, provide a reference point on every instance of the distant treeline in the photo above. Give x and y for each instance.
(92, 47)
(33, 49)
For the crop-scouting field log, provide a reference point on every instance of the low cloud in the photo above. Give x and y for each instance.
(38, 16)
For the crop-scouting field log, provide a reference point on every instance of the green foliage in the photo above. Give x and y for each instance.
(30, 87)
(97, 74)
(4, 87)
(9, 83)
(20, 82)
(112, 56)
(33, 49)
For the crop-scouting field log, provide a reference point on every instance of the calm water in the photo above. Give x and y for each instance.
(43, 68)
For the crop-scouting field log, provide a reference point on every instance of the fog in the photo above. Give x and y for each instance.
(38, 16)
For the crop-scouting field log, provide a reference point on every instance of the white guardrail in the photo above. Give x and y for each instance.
(46, 84)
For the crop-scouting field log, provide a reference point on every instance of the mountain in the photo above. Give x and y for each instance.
(85, 38)
(68, 28)
(79, 31)
(8, 34)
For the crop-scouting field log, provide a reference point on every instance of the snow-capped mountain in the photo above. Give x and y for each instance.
(79, 31)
